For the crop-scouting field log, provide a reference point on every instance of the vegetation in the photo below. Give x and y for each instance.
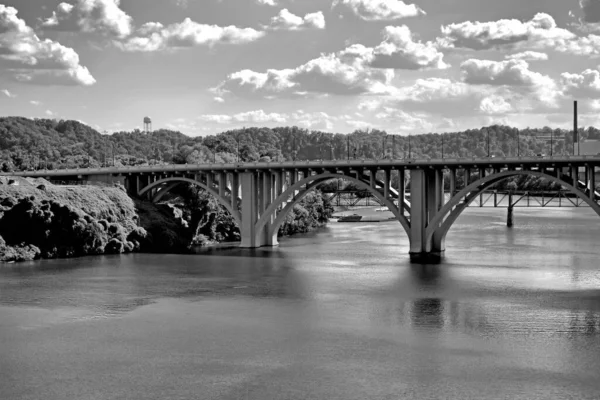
(52, 144)
(39, 220)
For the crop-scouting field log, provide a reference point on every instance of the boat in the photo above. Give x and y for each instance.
(350, 218)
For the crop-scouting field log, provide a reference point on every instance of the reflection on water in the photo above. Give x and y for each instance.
(339, 313)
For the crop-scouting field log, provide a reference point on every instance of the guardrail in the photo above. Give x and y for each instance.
(292, 164)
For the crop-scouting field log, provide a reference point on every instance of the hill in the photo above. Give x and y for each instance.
(52, 144)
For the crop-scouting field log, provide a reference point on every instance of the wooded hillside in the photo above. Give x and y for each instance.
(52, 144)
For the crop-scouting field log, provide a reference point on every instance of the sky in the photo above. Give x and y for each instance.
(207, 66)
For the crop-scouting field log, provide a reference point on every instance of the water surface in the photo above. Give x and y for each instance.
(337, 314)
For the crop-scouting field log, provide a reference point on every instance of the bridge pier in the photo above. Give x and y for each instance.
(425, 189)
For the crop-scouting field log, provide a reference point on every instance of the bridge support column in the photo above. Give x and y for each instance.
(266, 237)
(425, 202)
(401, 189)
(386, 184)
(592, 181)
(249, 184)
(452, 182)
(510, 216)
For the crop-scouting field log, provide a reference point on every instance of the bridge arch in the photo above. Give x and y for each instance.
(439, 226)
(223, 201)
(305, 186)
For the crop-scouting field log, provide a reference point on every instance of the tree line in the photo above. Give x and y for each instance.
(27, 144)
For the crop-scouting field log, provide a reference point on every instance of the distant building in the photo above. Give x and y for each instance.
(590, 147)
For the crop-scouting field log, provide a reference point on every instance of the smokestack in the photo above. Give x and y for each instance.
(575, 135)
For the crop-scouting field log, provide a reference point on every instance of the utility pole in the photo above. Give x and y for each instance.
(105, 149)
(442, 145)
(348, 145)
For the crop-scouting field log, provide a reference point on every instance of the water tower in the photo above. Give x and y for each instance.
(147, 124)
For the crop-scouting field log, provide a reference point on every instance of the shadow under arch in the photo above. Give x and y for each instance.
(439, 226)
(310, 183)
(223, 201)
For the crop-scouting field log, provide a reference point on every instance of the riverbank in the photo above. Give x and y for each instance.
(42, 220)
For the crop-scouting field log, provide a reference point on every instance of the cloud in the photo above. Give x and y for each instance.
(35, 102)
(399, 51)
(541, 30)
(508, 72)
(495, 105)
(271, 3)
(219, 99)
(585, 85)
(355, 70)
(528, 56)
(32, 60)
(285, 20)
(406, 121)
(102, 16)
(154, 36)
(380, 10)
(344, 73)
(8, 93)
(436, 96)
(49, 113)
(257, 116)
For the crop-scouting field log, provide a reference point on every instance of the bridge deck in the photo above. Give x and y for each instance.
(473, 162)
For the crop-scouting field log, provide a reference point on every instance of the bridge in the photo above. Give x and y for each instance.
(260, 194)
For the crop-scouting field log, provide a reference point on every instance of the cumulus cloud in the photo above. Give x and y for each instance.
(345, 73)
(400, 51)
(32, 60)
(7, 93)
(285, 20)
(154, 36)
(35, 102)
(438, 96)
(271, 3)
(219, 99)
(508, 72)
(541, 30)
(380, 10)
(584, 85)
(355, 70)
(528, 56)
(103, 16)
(49, 113)
(495, 105)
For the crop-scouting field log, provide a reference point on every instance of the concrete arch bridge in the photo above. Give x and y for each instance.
(259, 195)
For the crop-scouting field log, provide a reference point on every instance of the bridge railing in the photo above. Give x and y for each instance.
(303, 163)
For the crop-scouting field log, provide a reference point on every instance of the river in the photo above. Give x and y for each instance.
(336, 314)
